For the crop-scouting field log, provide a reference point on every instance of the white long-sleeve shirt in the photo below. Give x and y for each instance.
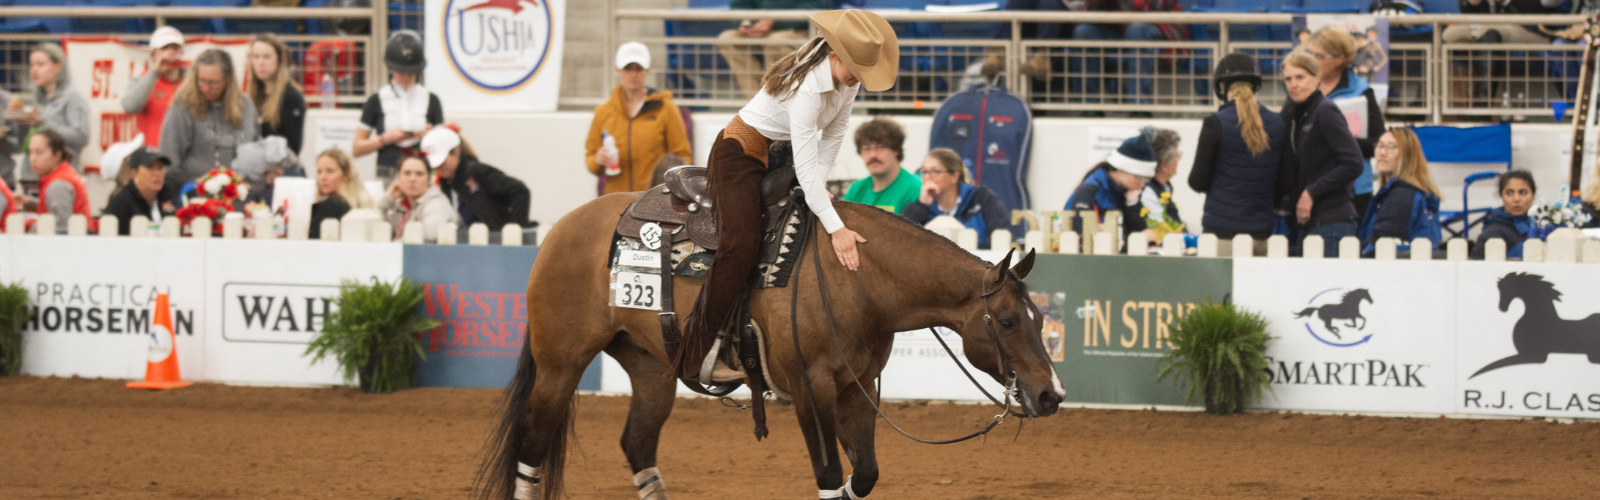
(814, 121)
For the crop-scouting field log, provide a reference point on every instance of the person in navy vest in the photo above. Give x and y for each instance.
(1511, 221)
(1322, 161)
(1407, 207)
(1114, 184)
(946, 190)
(1236, 159)
(1335, 50)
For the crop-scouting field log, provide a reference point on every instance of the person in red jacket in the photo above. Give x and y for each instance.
(149, 96)
(61, 191)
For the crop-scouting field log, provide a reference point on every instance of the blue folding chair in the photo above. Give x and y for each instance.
(1485, 144)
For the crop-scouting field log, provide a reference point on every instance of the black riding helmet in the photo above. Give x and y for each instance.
(403, 54)
(1236, 67)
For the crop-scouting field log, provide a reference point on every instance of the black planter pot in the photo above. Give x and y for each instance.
(1218, 384)
(364, 374)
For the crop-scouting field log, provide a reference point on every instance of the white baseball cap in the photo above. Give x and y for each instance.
(633, 52)
(438, 144)
(164, 36)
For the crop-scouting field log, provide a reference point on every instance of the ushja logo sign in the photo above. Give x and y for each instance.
(497, 45)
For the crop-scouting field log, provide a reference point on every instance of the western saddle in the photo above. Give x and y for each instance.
(683, 200)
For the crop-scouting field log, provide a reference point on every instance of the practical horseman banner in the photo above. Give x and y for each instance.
(495, 55)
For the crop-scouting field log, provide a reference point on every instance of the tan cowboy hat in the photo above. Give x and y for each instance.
(865, 42)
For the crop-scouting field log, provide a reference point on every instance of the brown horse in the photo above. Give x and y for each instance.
(910, 278)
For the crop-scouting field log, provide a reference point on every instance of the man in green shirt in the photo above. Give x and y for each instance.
(880, 142)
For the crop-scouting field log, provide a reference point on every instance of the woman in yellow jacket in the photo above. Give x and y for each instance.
(643, 123)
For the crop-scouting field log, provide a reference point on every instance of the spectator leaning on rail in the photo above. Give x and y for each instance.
(477, 191)
(147, 192)
(1511, 221)
(742, 58)
(400, 112)
(1114, 184)
(210, 118)
(339, 190)
(61, 190)
(644, 123)
(148, 96)
(946, 190)
(880, 143)
(413, 198)
(1408, 205)
(1236, 158)
(1501, 33)
(1322, 160)
(1156, 207)
(279, 102)
(57, 106)
(1335, 50)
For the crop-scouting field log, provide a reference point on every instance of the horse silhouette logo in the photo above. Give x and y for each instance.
(1347, 312)
(1541, 331)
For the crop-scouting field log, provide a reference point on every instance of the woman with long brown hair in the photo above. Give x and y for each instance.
(1407, 207)
(278, 99)
(1236, 158)
(209, 118)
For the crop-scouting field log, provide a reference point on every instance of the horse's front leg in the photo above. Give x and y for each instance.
(821, 441)
(857, 421)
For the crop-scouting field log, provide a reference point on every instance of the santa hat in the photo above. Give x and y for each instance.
(1135, 155)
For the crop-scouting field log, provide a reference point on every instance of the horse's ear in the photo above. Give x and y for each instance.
(1023, 266)
(998, 272)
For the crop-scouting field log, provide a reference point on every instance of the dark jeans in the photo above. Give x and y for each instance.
(1139, 61)
(1331, 234)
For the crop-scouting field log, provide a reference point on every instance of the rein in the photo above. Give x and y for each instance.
(988, 317)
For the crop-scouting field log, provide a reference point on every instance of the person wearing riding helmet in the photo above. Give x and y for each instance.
(400, 113)
(1114, 184)
(1236, 158)
(800, 117)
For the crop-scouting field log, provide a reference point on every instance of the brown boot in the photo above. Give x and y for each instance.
(1038, 67)
(993, 62)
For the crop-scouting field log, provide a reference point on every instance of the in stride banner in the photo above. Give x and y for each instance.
(494, 55)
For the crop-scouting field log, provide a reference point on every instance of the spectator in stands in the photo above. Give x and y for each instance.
(880, 143)
(261, 163)
(147, 192)
(211, 118)
(1156, 208)
(57, 106)
(742, 58)
(1039, 64)
(61, 190)
(1501, 33)
(946, 190)
(148, 96)
(413, 198)
(1323, 159)
(1114, 185)
(1236, 158)
(401, 112)
(644, 124)
(339, 189)
(1091, 66)
(479, 192)
(1335, 50)
(8, 203)
(1408, 205)
(279, 102)
(1511, 221)
(10, 138)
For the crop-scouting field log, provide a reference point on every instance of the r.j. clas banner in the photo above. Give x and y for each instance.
(101, 68)
(495, 55)
(1530, 340)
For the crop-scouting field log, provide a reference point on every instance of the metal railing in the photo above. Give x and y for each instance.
(1427, 81)
(354, 74)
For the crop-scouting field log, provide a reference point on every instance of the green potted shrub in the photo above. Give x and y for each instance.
(372, 335)
(1219, 355)
(13, 313)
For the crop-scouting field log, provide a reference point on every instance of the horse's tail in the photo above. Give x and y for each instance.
(497, 476)
(1306, 312)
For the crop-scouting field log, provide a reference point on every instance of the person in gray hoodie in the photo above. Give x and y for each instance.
(57, 105)
(413, 198)
(210, 117)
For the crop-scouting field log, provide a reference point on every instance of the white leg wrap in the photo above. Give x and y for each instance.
(848, 492)
(527, 482)
(840, 494)
(649, 484)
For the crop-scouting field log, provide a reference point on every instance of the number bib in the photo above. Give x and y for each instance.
(636, 290)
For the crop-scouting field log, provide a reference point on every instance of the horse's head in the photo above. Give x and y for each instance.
(1525, 286)
(1002, 338)
(1358, 295)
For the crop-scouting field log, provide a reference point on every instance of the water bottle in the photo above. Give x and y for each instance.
(609, 145)
(328, 91)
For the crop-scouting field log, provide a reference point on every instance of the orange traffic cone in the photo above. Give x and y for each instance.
(161, 369)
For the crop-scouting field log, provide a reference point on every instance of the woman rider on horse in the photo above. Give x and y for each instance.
(798, 118)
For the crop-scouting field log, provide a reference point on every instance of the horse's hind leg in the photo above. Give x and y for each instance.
(857, 421)
(654, 392)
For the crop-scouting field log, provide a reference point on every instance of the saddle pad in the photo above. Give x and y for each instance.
(773, 267)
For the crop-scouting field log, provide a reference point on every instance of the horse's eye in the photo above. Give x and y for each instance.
(1008, 324)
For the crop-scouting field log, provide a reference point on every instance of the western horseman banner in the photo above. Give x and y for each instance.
(1529, 342)
(495, 55)
(1372, 336)
(101, 68)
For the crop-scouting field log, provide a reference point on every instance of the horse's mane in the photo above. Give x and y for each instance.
(1347, 295)
(1531, 284)
(890, 220)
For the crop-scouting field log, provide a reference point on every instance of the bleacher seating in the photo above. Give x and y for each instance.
(202, 25)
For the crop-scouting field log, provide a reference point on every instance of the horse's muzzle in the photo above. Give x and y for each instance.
(1048, 403)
